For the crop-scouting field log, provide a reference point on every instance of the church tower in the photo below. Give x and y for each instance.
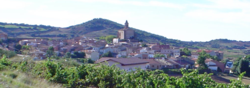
(126, 25)
(126, 32)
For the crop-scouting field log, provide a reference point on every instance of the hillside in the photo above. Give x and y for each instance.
(93, 28)
(102, 27)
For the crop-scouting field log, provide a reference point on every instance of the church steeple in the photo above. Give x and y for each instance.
(126, 24)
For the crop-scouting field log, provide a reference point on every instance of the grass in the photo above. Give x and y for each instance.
(9, 26)
(15, 78)
(24, 27)
(42, 29)
(23, 80)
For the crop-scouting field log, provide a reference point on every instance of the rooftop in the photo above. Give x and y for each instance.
(123, 61)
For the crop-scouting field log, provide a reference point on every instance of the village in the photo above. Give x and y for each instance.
(125, 51)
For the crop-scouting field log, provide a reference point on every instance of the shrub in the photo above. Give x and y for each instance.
(12, 75)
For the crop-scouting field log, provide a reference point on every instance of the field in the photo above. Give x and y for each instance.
(245, 80)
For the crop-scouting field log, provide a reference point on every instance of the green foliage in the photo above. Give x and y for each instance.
(4, 63)
(201, 60)
(104, 76)
(77, 55)
(144, 45)
(9, 54)
(108, 54)
(50, 52)
(12, 75)
(25, 47)
(89, 61)
(108, 39)
(242, 65)
(185, 52)
(18, 47)
(215, 45)
(51, 68)
(159, 56)
(67, 55)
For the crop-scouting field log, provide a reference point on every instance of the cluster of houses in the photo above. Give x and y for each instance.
(128, 52)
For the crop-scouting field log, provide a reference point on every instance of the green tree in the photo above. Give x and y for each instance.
(201, 59)
(108, 39)
(185, 52)
(18, 48)
(108, 54)
(50, 52)
(159, 56)
(78, 55)
(242, 65)
(25, 47)
(144, 45)
(67, 55)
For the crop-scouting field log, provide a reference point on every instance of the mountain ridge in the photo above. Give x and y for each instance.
(97, 19)
(98, 27)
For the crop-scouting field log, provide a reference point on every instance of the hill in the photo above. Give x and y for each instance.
(102, 27)
(94, 28)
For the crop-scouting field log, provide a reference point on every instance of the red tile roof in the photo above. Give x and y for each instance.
(123, 61)
(152, 61)
(207, 51)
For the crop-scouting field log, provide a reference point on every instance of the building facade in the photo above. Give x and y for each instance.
(126, 33)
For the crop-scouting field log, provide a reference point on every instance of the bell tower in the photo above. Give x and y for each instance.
(126, 24)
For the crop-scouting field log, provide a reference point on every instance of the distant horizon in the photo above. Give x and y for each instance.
(185, 20)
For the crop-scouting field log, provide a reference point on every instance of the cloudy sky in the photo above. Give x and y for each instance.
(187, 20)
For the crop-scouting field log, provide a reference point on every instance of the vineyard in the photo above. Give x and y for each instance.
(102, 76)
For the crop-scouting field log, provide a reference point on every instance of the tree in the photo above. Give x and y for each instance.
(159, 56)
(18, 48)
(108, 54)
(144, 45)
(185, 52)
(78, 55)
(242, 65)
(108, 38)
(67, 55)
(50, 52)
(201, 59)
(25, 47)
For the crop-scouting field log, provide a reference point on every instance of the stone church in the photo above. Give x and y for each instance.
(126, 33)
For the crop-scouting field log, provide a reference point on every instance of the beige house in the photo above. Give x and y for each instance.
(153, 64)
(93, 55)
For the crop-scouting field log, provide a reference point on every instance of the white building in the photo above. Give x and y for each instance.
(215, 65)
(115, 40)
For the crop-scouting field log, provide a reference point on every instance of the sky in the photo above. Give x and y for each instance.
(186, 20)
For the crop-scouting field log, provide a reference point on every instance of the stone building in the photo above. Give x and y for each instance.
(126, 33)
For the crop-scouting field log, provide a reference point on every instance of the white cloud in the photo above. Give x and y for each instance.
(226, 17)
(225, 4)
(227, 11)
(12, 4)
(139, 3)
(64, 18)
